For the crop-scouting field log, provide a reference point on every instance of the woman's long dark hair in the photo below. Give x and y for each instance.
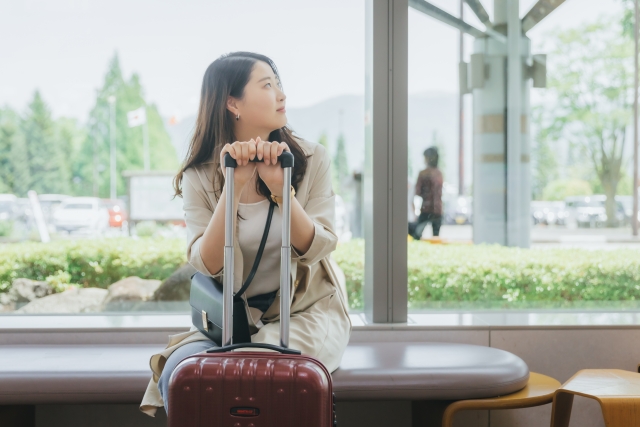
(227, 76)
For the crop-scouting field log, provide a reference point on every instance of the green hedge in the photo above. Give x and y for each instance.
(480, 274)
(497, 276)
(91, 263)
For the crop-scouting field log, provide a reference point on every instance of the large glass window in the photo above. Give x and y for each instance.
(90, 142)
(570, 245)
(98, 108)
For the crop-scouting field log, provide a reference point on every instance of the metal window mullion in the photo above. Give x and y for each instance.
(386, 161)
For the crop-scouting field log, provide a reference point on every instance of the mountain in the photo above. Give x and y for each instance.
(428, 113)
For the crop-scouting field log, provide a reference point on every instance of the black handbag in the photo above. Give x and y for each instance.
(206, 302)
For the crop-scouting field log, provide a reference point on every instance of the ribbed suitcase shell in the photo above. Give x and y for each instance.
(286, 390)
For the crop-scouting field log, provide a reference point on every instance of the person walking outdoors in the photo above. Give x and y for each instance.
(429, 187)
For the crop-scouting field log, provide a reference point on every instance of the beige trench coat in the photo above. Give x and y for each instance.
(320, 324)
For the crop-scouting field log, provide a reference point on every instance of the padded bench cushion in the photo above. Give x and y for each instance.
(33, 374)
(427, 371)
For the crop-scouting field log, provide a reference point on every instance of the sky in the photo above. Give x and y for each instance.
(63, 47)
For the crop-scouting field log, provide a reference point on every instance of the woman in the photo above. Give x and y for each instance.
(242, 112)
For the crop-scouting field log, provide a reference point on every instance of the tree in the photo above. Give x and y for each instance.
(340, 164)
(46, 158)
(591, 78)
(544, 161)
(70, 134)
(94, 152)
(563, 188)
(627, 18)
(9, 132)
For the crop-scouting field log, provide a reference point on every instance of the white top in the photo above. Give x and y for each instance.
(250, 230)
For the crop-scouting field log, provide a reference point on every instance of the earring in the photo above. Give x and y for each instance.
(238, 117)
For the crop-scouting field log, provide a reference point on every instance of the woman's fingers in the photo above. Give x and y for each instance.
(260, 148)
(252, 151)
(282, 147)
(266, 152)
(274, 152)
(245, 152)
(228, 148)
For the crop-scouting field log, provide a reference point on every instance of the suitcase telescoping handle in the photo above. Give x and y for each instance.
(286, 162)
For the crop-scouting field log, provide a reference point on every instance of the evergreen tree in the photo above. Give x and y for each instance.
(340, 165)
(129, 145)
(46, 157)
(71, 135)
(8, 132)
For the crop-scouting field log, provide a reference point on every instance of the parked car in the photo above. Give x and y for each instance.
(627, 206)
(24, 205)
(49, 203)
(548, 213)
(457, 210)
(9, 208)
(118, 217)
(81, 213)
(590, 211)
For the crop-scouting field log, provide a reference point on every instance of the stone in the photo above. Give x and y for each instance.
(23, 291)
(27, 290)
(74, 300)
(132, 289)
(128, 293)
(177, 286)
(7, 303)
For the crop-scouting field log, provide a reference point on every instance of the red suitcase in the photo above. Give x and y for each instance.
(223, 388)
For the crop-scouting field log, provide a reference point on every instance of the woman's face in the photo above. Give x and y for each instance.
(263, 104)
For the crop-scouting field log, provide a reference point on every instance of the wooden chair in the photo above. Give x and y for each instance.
(617, 391)
(539, 391)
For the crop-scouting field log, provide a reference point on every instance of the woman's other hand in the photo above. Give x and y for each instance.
(242, 152)
(270, 171)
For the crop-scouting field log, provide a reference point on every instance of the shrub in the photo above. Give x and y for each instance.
(92, 263)
(146, 228)
(497, 276)
(6, 228)
(61, 281)
(488, 275)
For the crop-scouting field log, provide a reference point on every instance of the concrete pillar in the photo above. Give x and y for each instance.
(501, 169)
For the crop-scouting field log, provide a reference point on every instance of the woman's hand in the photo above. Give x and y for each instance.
(242, 151)
(270, 171)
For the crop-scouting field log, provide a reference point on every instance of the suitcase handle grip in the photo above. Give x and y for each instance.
(279, 349)
(285, 159)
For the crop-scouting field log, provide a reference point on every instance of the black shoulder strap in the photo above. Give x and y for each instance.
(254, 268)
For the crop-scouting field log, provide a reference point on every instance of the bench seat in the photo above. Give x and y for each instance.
(427, 371)
(45, 374)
